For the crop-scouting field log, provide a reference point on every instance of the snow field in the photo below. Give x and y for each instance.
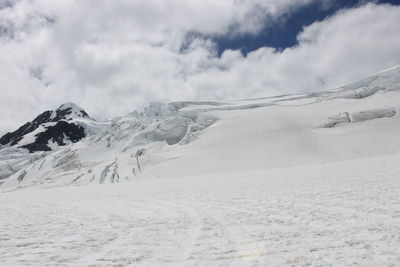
(295, 180)
(339, 214)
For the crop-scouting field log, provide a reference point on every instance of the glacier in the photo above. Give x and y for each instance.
(307, 179)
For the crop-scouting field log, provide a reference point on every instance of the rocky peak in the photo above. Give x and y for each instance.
(69, 110)
(57, 125)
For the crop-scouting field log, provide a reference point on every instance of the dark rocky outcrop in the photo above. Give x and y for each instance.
(63, 129)
(58, 133)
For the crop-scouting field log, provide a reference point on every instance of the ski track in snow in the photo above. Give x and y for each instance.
(339, 214)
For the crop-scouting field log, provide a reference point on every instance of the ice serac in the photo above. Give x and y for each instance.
(53, 126)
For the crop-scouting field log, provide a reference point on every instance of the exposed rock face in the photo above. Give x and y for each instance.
(59, 133)
(58, 126)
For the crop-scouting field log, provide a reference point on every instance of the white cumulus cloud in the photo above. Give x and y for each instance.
(112, 57)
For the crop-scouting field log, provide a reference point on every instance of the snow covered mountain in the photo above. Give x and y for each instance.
(67, 147)
(59, 126)
(293, 180)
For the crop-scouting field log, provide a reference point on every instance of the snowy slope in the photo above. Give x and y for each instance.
(293, 180)
(338, 214)
(195, 138)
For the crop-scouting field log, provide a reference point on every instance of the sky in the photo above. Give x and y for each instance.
(114, 57)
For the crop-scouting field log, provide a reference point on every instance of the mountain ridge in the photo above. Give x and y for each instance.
(190, 138)
(57, 125)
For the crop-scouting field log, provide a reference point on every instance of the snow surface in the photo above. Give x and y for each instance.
(340, 214)
(293, 180)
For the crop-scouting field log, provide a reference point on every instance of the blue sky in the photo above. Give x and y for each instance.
(284, 33)
(114, 57)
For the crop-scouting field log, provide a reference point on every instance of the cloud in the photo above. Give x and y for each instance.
(112, 57)
(346, 47)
